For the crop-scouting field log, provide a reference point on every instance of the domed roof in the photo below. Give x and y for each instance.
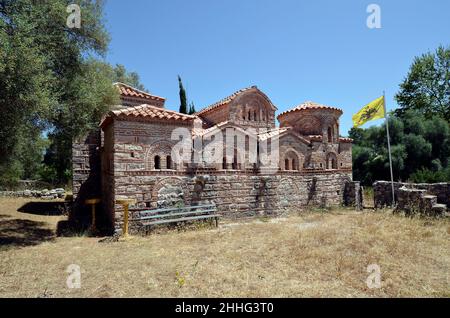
(308, 106)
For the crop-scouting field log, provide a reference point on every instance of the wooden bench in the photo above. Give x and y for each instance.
(175, 215)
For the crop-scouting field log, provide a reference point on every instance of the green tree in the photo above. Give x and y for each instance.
(129, 78)
(419, 146)
(183, 99)
(47, 78)
(192, 108)
(426, 88)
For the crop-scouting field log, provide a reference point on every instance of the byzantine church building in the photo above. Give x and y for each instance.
(131, 155)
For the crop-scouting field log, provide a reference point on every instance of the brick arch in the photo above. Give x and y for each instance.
(162, 148)
(172, 182)
(331, 161)
(291, 153)
(288, 194)
(253, 102)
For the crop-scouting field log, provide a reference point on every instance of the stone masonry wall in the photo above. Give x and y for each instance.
(383, 193)
(236, 195)
(86, 175)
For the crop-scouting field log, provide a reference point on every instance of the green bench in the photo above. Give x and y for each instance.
(176, 215)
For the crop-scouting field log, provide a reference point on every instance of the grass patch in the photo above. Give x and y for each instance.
(313, 254)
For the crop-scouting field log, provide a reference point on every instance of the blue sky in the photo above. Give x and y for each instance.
(292, 50)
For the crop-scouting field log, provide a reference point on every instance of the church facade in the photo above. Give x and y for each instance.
(231, 154)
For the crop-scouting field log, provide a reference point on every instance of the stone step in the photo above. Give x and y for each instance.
(428, 202)
(439, 209)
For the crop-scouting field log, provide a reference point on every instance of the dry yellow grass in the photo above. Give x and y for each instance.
(311, 255)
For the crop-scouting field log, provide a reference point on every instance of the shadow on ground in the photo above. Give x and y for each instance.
(44, 208)
(21, 233)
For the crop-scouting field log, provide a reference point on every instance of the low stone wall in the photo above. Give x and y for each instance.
(43, 194)
(409, 196)
(237, 195)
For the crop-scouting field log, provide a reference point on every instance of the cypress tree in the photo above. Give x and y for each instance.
(192, 108)
(183, 100)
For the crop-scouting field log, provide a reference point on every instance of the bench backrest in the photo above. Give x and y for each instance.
(179, 211)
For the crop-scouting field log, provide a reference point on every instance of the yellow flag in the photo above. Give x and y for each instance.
(373, 110)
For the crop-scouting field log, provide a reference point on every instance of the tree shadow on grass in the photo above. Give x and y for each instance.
(44, 208)
(21, 233)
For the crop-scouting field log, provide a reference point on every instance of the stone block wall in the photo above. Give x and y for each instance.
(86, 181)
(235, 194)
(383, 193)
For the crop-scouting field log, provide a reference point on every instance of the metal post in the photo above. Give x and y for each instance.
(389, 149)
(125, 220)
(93, 202)
(125, 202)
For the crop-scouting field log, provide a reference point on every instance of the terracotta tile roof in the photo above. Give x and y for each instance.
(147, 111)
(208, 130)
(315, 137)
(310, 105)
(230, 98)
(342, 139)
(272, 133)
(129, 91)
(279, 132)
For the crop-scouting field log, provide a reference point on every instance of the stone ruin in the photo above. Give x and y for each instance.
(428, 199)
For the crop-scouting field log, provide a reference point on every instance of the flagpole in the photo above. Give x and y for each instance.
(389, 149)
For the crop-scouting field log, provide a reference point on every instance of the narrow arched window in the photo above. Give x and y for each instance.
(224, 162)
(294, 166)
(254, 116)
(157, 162)
(169, 162)
(249, 115)
(286, 164)
(330, 135)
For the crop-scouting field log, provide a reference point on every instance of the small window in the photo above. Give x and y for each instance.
(157, 162)
(169, 162)
(286, 164)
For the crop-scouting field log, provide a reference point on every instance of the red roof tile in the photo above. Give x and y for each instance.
(346, 140)
(129, 91)
(310, 105)
(230, 98)
(147, 111)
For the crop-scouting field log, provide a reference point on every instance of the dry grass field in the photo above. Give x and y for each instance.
(312, 254)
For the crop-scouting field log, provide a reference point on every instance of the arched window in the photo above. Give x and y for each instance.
(157, 162)
(224, 162)
(169, 162)
(249, 115)
(254, 116)
(292, 161)
(330, 135)
(286, 164)
(332, 161)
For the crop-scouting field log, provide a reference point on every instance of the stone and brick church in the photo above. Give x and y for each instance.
(131, 154)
